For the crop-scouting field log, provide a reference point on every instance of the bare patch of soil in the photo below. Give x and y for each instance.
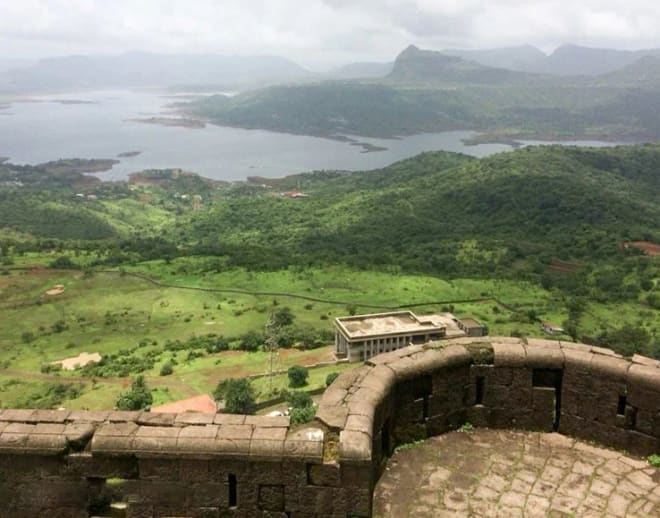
(58, 289)
(645, 246)
(81, 360)
(559, 266)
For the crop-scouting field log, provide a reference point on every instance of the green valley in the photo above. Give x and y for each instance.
(173, 269)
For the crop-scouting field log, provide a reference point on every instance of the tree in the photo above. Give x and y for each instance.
(238, 395)
(297, 376)
(282, 317)
(251, 341)
(138, 398)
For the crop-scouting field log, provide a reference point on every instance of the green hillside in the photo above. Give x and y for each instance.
(553, 201)
(429, 92)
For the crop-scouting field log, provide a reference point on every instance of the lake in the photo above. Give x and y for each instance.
(98, 125)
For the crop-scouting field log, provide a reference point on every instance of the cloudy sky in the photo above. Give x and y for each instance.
(318, 33)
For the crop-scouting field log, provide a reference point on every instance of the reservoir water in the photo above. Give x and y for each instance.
(99, 125)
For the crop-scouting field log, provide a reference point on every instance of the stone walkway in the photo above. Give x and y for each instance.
(495, 473)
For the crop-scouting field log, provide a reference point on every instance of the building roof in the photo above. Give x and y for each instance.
(470, 322)
(395, 323)
(202, 403)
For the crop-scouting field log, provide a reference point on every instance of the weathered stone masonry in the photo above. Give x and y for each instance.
(68, 463)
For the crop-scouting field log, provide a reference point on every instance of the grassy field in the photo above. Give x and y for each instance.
(112, 313)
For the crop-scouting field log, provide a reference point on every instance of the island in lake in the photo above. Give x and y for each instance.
(172, 121)
(366, 146)
(78, 165)
(73, 101)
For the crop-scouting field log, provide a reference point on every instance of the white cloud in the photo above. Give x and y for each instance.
(317, 32)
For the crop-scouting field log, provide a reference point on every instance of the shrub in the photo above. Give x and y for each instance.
(330, 378)
(301, 406)
(251, 341)
(47, 368)
(166, 369)
(297, 376)
(654, 460)
(138, 398)
(64, 263)
(302, 415)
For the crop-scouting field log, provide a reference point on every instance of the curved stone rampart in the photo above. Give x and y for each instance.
(420, 391)
(73, 463)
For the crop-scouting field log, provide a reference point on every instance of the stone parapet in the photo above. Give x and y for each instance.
(76, 463)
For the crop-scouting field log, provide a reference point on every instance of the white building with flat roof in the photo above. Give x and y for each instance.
(360, 337)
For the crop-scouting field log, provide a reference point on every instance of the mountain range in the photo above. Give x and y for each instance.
(430, 91)
(567, 60)
(141, 69)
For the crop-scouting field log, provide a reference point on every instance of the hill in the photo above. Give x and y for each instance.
(566, 60)
(535, 203)
(575, 60)
(361, 71)
(426, 67)
(429, 92)
(524, 58)
(140, 69)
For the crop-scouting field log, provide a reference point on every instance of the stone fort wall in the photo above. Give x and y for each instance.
(72, 464)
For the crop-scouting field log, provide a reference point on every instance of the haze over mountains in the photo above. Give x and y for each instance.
(140, 69)
(567, 60)
(430, 91)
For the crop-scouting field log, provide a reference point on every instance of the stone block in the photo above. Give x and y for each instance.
(333, 416)
(50, 416)
(156, 419)
(189, 470)
(644, 377)
(354, 446)
(359, 423)
(327, 474)
(159, 469)
(45, 444)
(122, 416)
(194, 418)
(613, 368)
(229, 419)
(208, 494)
(509, 354)
(305, 445)
(271, 497)
(268, 442)
(265, 421)
(87, 416)
(543, 408)
(17, 415)
(358, 407)
(542, 356)
(156, 440)
(478, 415)
(85, 465)
(205, 512)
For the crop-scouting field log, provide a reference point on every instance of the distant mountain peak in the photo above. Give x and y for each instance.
(415, 65)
